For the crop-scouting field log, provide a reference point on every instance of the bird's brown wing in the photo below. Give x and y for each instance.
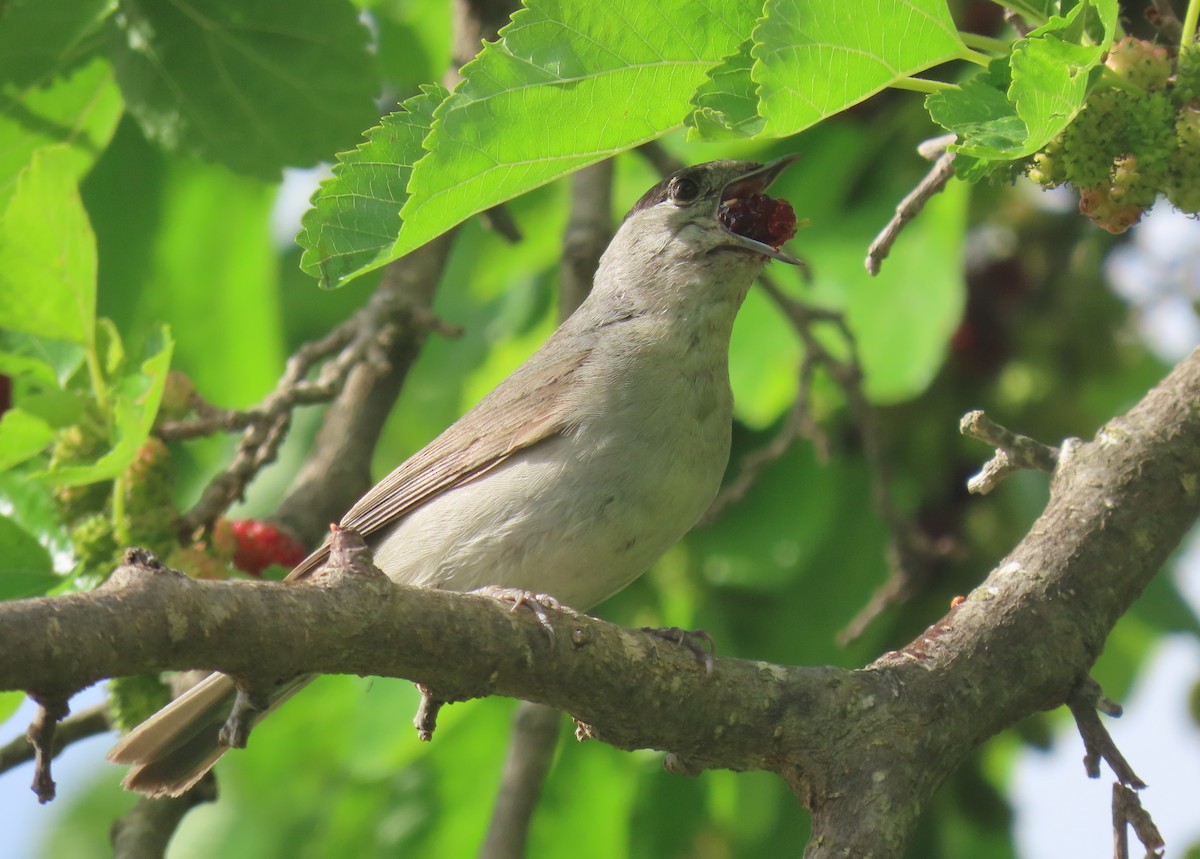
(499, 426)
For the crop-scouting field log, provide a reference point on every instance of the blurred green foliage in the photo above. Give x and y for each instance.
(1026, 331)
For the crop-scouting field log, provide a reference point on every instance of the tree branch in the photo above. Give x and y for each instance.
(864, 750)
(77, 726)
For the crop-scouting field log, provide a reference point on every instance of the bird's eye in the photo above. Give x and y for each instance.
(684, 190)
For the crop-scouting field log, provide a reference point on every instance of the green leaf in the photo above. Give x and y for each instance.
(1017, 106)
(554, 95)
(22, 436)
(980, 113)
(135, 405)
(355, 216)
(48, 363)
(25, 568)
(79, 111)
(727, 102)
(1051, 74)
(815, 59)
(57, 407)
(41, 372)
(256, 86)
(42, 39)
(48, 253)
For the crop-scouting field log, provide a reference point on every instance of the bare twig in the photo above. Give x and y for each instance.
(79, 726)
(1085, 700)
(1163, 18)
(589, 230)
(425, 721)
(1127, 811)
(1013, 452)
(143, 832)
(908, 550)
(337, 470)
(660, 159)
(799, 421)
(935, 180)
(290, 391)
(500, 221)
(1019, 24)
(363, 339)
(50, 709)
(530, 752)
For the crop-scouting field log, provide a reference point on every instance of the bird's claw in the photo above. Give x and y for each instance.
(698, 641)
(540, 604)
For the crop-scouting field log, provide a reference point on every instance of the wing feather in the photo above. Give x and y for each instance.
(493, 430)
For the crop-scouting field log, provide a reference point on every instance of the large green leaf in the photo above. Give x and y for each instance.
(256, 86)
(815, 59)
(553, 95)
(48, 253)
(355, 216)
(47, 96)
(42, 39)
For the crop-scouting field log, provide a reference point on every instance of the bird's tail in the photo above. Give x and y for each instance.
(174, 748)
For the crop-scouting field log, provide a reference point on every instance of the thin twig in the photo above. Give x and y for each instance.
(425, 721)
(933, 182)
(1127, 811)
(78, 726)
(1013, 452)
(799, 422)
(909, 552)
(660, 159)
(50, 710)
(1085, 700)
(291, 390)
(588, 232)
(363, 339)
(1020, 26)
(1163, 18)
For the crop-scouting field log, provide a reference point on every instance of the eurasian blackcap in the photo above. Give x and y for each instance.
(581, 468)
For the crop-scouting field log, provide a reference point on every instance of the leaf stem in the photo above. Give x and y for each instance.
(976, 57)
(988, 43)
(96, 375)
(119, 520)
(921, 85)
(1191, 19)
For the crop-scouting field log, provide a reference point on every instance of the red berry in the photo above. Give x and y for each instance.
(260, 544)
(759, 217)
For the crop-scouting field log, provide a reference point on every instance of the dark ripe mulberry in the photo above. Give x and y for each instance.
(759, 217)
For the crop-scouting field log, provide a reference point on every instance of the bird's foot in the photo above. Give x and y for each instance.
(540, 604)
(699, 642)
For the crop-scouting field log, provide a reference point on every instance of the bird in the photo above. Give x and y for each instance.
(579, 470)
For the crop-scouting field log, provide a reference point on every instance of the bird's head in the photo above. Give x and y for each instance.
(700, 235)
(716, 208)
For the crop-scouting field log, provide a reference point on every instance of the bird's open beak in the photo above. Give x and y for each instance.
(748, 186)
